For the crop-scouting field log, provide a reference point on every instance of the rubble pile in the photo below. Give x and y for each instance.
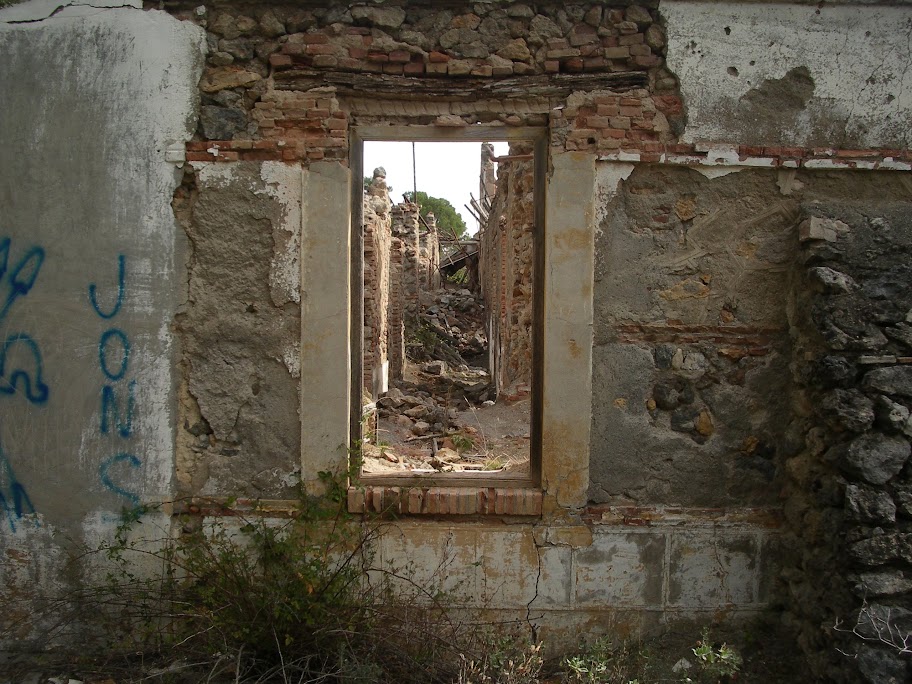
(450, 328)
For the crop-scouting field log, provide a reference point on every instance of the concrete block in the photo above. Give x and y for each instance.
(620, 569)
(712, 569)
(422, 562)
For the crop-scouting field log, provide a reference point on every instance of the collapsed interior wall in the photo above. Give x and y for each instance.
(401, 262)
(686, 528)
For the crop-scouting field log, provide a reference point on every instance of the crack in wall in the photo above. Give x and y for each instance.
(60, 8)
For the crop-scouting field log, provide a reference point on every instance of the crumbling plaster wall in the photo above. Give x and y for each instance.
(240, 331)
(268, 179)
(97, 105)
(795, 75)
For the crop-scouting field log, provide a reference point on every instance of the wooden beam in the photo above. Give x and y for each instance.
(408, 87)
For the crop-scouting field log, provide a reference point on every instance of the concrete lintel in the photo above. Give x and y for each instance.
(325, 321)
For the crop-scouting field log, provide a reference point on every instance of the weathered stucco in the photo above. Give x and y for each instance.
(86, 195)
(239, 331)
(779, 74)
(186, 332)
(91, 264)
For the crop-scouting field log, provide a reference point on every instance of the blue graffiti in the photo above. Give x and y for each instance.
(110, 411)
(14, 499)
(106, 466)
(36, 392)
(103, 353)
(121, 287)
(23, 275)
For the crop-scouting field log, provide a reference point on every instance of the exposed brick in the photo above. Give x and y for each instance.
(400, 56)
(562, 54)
(314, 38)
(413, 68)
(350, 64)
(321, 49)
(622, 122)
(280, 61)
(357, 53)
(631, 111)
(392, 69)
(377, 57)
(436, 57)
(594, 63)
(552, 66)
(325, 61)
(599, 122)
(647, 61)
(635, 39)
(436, 68)
(617, 53)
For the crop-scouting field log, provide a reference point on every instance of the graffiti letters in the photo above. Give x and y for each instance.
(118, 397)
(105, 473)
(22, 276)
(21, 367)
(14, 500)
(13, 375)
(121, 286)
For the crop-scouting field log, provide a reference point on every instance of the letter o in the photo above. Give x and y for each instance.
(103, 353)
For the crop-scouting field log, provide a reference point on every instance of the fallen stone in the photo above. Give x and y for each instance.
(873, 457)
(892, 417)
(884, 583)
(221, 123)
(848, 409)
(421, 428)
(437, 367)
(895, 380)
(831, 281)
(869, 505)
(880, 666)
(882, 549)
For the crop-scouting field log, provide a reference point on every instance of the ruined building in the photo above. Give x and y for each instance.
(721, 350)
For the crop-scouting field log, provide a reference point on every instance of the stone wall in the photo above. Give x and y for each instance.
(401, 262)
(666, 439)
(849, 486)
(506, 258)
(378, 243)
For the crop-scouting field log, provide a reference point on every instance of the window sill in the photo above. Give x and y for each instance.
(433, 500)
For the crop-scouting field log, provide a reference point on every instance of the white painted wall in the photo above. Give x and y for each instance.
(859, 57)
(93, 99)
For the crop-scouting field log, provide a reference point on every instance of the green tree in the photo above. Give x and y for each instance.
(447, 216)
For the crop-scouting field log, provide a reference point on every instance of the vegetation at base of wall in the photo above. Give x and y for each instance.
(244, 598)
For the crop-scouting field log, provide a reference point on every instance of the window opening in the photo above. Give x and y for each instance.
(450, 287)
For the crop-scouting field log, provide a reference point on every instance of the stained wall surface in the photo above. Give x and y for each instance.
(672, 273)
(91, 267)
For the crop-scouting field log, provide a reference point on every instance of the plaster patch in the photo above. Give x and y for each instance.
(283, 183)
(608, 178)
(713, 172)
(792, 75)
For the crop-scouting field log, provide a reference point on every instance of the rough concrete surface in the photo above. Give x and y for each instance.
(90, 106)
(691, 357)
(239, 334)
(776, 74)
(89, 262)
